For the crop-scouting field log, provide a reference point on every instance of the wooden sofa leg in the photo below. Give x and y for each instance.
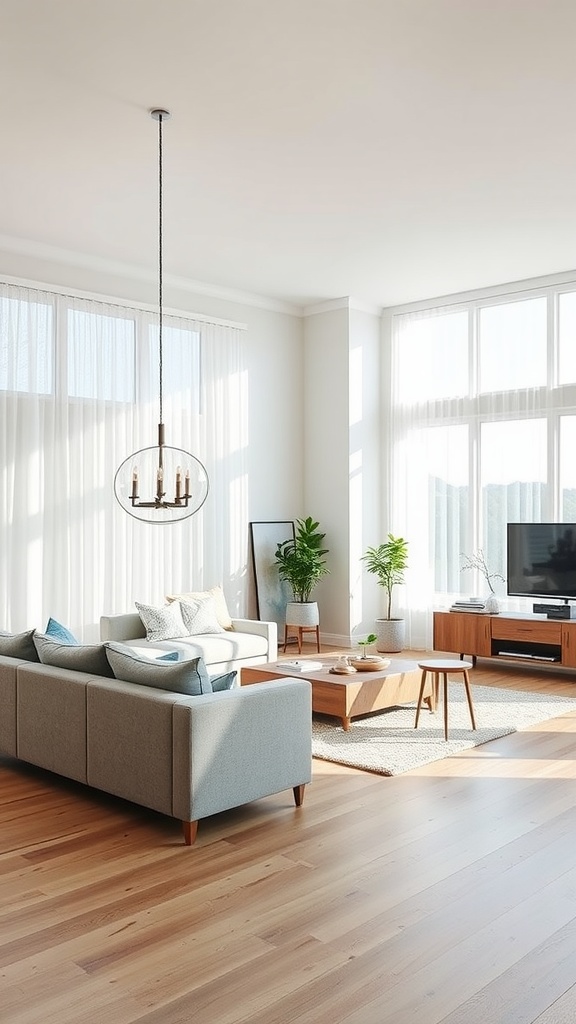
(190, 829)
(299, 795)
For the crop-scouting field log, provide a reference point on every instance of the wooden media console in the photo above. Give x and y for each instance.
(532, 638)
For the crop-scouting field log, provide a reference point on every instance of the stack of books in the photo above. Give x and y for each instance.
(301, 666)
(470, 604)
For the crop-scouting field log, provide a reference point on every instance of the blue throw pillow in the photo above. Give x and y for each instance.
(59, 632)
(224, 682)
(170, 656)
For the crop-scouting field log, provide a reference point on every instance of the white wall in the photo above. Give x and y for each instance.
(325, 457)
(366, 494)
(342, 459)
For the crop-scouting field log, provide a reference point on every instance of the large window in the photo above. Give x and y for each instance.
(27, 344)
(482, 430)
(79, 391)
(101, 356)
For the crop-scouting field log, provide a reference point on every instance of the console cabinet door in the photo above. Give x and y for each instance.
(569, 644)
(463, 633)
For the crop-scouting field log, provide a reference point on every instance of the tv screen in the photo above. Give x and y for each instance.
(542, 560)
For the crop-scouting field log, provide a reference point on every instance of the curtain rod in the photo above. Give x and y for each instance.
(113, 300)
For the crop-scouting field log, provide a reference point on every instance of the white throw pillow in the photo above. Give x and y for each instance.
(199, 615)
(222, 613)
(163, 623)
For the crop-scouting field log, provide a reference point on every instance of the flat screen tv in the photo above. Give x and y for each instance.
(542, 560)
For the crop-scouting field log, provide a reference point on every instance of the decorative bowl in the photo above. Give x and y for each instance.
(371, 663)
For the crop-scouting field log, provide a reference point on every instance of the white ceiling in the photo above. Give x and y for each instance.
(389, 150)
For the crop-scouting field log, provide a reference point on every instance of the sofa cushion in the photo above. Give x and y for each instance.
(222, 650)
(199, 615)
(162, 623)
(91, 658)
(19, 645)
(222, 613)
(224, 682)
(59, 632)
(189, 677)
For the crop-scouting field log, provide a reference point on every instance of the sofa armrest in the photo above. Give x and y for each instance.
(266, 629)
(239, 745)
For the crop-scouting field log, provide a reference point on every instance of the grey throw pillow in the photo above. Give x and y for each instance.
(91, 658)
(19, 645)
(162, 623)
(224, 682)
(189, 677)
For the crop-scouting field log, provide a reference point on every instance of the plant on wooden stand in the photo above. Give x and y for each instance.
(301, 563)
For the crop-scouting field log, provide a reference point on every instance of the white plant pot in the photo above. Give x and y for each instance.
(302, 613)
(391, 634)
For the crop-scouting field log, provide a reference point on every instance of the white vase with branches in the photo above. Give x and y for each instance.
(477, 563)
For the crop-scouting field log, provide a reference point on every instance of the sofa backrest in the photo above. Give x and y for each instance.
(51, 718)
(122, 627)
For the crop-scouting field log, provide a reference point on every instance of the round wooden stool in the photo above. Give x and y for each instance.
(441, 667)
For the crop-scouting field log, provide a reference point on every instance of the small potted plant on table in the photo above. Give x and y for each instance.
(369, 662)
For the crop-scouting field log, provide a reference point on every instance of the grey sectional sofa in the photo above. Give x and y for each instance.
(188, 757)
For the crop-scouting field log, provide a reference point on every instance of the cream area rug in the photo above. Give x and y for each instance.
(388, 743)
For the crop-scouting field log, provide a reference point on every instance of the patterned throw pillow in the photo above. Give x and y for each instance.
(91, 658)
(19, 645)
(189, 677)
(199, 615)
(222, 613)
(59, 632)
(163, 623)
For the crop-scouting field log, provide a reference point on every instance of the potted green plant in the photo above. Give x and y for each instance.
(301, 563)
(387, 562)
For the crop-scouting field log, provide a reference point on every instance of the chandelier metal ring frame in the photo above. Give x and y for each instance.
(161, 467)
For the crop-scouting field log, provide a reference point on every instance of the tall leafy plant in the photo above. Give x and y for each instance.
(300, 560)
(387, 562)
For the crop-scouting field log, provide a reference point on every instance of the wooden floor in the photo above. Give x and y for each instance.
(444, 895)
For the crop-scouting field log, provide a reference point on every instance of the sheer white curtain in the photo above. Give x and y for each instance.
(78, 394)
(478, 436)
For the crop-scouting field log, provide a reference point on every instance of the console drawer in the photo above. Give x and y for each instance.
(534, 632)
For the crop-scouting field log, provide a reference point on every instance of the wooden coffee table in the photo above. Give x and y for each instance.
(347, 696)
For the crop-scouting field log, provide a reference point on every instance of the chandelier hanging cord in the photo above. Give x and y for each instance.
(160, 114)
(163, 462)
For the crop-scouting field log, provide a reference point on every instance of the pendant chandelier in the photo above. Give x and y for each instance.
(161, 484)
